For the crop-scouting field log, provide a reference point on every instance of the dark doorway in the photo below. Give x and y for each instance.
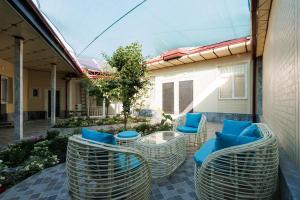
(185, 95)
(3, 116)
(168, 97)
(57, 107)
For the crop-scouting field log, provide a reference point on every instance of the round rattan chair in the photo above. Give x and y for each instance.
(193, 140)
(246, 171)
(103, 171)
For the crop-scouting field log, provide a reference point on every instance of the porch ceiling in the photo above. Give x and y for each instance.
(263, 13)
(38, 54)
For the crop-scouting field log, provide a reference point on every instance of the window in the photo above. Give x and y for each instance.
(186, 96)
(10, 90)
(168, 97)
(4, 90)
(235, 78)
(35, 92)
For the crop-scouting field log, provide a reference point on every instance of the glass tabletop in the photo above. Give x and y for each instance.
(160, 137)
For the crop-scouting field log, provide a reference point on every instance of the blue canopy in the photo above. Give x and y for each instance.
(159, 25)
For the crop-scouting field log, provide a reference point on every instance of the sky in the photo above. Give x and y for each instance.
(158, 25)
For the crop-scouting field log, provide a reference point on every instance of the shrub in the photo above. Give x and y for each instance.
(58, 146)
(2, 175)
(84, 122)
(41, 157)
(51, 134)
(16, 154)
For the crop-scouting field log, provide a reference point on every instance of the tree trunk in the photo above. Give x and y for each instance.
(125, 121)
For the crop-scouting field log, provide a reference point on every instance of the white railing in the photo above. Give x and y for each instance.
(95, 111)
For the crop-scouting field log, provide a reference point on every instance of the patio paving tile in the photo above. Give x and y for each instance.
(47, 185)
(51, 183)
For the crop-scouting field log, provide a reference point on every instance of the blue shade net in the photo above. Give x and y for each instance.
(159, 25)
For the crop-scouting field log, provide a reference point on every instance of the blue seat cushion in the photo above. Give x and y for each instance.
(98, 136)
(234, 127)
(229, 140)
(251, 131)
(193, 119)
(127, 163)
(187, 129)
(128, 134)
(206, 149)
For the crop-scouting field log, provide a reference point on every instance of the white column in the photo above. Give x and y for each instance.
(53, 94)
(70, 95)
(18, 87)
(176, 98)
(87, 97)
(104, 107)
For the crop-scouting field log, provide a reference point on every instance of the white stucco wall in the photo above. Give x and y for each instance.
(205, 86)
(281, 76)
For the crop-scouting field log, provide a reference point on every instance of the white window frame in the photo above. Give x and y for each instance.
(233, 80)
(7, 87)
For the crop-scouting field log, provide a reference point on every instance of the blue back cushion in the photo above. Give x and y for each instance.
(98, 136)
(251, 131)
(193, 119)
(229, 140)
(234, 127)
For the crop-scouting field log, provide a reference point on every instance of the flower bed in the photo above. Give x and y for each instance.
(21, 160)
(85, 122)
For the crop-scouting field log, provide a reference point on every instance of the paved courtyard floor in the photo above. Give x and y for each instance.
(51, 183)
(31, 129)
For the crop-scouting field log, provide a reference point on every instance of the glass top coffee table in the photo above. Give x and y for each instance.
(165, 151)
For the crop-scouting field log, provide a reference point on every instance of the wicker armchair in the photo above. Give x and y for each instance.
(193, 140)
(103, 171)
(246, 171)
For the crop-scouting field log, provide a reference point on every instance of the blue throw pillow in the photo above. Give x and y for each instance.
(229, 140)
(251, 131)
(225, 141)
(193, 119)
(98, 136)
(245, 140)
(234, 127)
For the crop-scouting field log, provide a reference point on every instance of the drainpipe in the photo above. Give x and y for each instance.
(254, 44)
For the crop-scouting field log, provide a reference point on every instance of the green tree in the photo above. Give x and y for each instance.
(128, 79)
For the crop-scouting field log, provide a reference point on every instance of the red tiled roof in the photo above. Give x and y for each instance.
(177, 53)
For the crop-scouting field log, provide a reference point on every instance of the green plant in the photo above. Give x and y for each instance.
(81, 122)
(2, 175)
(128, 80)
(40, 157)
(16, 154)
(146, 128)
(58, 146)
(166, 119)
(51, 134)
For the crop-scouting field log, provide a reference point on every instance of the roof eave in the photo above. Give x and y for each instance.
(32, 15)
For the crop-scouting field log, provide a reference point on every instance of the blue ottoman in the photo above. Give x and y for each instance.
(127, 138)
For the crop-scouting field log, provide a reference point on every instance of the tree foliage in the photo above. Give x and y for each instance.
(128, 79)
